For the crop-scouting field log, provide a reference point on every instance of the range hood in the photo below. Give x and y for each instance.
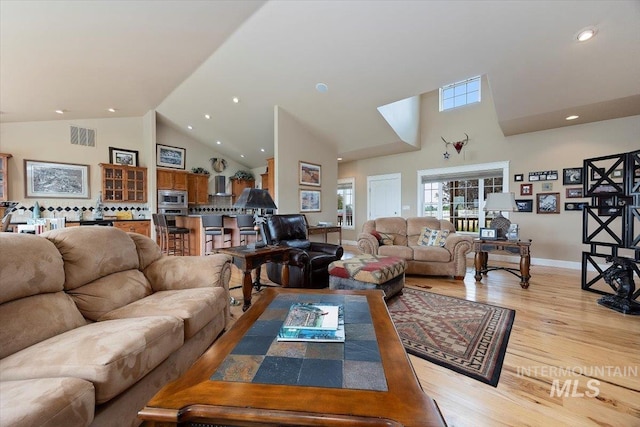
(220, 182)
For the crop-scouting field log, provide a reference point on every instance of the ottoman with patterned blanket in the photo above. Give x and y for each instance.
(368, 272)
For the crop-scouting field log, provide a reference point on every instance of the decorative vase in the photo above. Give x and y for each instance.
(36, 210)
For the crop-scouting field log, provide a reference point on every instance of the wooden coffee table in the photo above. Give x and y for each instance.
(381, 390)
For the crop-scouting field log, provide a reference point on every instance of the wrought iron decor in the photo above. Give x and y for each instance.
(611, 221)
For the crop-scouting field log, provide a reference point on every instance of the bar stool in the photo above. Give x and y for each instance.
(176, 239)
(246, 228)
(159, 231)
(214, 226)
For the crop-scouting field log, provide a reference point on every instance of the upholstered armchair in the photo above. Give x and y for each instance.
(309, 261)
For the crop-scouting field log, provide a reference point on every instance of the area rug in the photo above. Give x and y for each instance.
(465, 336)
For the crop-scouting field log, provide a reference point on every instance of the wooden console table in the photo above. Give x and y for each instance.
(326, 229)
(483, 247)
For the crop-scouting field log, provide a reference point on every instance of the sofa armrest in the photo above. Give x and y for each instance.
(458, 244)
(327, 248)
(368, 244)
(298, 258)
(173, 273)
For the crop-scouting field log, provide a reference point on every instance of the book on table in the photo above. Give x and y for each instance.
(313, 322)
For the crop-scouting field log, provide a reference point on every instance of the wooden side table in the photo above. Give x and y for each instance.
(249, 259)
(325, 229)
(483, 247)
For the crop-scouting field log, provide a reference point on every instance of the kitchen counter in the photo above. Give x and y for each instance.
(196, 233)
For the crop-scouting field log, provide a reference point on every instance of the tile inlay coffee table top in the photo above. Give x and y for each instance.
(247, 377)
(260, 358)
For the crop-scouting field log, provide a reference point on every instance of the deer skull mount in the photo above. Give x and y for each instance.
(458, 145)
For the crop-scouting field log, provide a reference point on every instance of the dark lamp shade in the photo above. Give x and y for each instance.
(255, 198)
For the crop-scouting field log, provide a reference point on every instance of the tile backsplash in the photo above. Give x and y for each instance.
(77, 211)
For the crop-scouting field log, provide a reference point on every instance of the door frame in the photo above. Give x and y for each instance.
(370, 179)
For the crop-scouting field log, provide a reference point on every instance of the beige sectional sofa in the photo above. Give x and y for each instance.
(95, 321)
(448, 260)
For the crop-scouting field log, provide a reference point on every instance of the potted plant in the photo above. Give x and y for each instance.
(242, 176)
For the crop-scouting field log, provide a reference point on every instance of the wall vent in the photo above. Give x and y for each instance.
(83, 136)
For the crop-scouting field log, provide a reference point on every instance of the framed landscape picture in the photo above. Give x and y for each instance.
(548, 203)
(310, 201)
(170, 157)
(119, 156)
(56, 180)
(310, 174)
(524, 205)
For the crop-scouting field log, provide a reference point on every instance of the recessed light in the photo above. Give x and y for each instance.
(111, 110)
(235, 99)
(190, 127)
(207, 116)
(218, 142)
(339, 158)
(586, 34)
(60, 111)
(322, 87)
(262, 149)
(572, 117)
(242, 155)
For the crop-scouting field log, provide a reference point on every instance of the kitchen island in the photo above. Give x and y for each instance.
(196, 232)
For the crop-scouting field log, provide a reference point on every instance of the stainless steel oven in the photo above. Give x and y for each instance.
(174, 211)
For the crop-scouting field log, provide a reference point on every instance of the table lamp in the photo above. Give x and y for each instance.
(498, 202)
(255, 198)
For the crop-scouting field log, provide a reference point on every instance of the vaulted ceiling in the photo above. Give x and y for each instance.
(189, 58)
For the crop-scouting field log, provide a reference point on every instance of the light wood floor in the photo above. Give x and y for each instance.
(560, 333)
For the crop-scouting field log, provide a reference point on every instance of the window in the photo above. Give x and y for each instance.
(460, 93)
(457, 194)
(346, 202)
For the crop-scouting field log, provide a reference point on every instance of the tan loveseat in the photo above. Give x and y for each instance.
(95, 321)
(449, 260)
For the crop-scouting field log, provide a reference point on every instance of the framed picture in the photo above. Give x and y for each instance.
(526, 189)
(575, 206)
(488, 233)
(310, 201)
(310, 174)
(574, 193)
(548, 203)
(547, 186)
(119, 156)
(571, 176)
(56, 180)
(518, 177)
(524, 205)
(612, 205)
(170, 157)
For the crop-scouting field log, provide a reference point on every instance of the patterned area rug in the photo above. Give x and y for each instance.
(464, 336)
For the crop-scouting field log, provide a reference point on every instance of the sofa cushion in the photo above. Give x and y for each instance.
(110, 292)
(47, 402)
(112, 355)
(29, 265)
(90, 253)
(148, 250)
(430, 237)
(431, 253)
(403, 252)
(48, 315)
(393, 226)
(385, 239)
(196, 307)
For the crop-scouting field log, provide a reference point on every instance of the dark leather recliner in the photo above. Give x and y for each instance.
(309, 261)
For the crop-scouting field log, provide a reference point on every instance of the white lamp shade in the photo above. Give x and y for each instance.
(501, 202)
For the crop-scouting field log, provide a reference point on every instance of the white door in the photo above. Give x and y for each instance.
(384, 196)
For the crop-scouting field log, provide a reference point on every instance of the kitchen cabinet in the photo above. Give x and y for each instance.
(4, 176)
(268, 178)
(238, 185)
(124, 183)
(141, 227)
(198, 188)
(172, 180)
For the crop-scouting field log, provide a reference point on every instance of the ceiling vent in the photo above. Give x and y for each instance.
(83, 136)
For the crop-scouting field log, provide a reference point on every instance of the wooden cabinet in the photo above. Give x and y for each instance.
(198, 188)
(172, 180)
(238, 185)
(124, 183)
(268, 178)
(4, 177)
(141, 227)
